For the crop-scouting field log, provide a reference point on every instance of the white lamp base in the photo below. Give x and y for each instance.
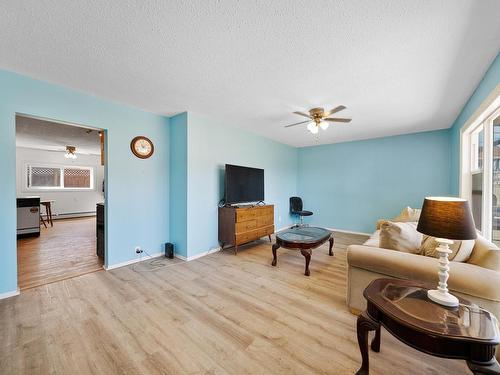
(445, 299)
(441, 295)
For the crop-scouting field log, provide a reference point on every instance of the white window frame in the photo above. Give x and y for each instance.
(483, 117)
(61, 187)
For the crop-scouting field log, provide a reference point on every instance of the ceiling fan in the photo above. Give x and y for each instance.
(318, 118)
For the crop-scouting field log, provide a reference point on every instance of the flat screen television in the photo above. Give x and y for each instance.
(243, 184)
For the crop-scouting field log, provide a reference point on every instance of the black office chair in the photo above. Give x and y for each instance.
(296, 209)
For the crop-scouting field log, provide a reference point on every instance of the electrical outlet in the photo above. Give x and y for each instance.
(138, 250)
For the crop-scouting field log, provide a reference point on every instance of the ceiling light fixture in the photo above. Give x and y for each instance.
(318, 118)
(70, 152)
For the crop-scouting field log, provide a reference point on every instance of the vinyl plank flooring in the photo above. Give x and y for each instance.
(220, 314)
(66, 250)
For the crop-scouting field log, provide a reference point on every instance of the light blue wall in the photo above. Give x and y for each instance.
(353, 184)
(137, 190)
(490, 80)
(178, 183)
(211, 145)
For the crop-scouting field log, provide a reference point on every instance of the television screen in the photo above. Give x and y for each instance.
(243, 184)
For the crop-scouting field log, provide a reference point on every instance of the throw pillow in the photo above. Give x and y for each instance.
(400, 236)
(461, 250)
(408, 214)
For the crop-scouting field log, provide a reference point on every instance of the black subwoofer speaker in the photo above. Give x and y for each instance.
(169, 250)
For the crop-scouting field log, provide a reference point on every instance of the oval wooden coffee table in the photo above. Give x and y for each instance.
(303, 238)
(465, 332)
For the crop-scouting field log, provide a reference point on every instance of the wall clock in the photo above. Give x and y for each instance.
(142, 147)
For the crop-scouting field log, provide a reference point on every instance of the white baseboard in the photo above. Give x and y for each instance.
(349, 231)
(332, 229)
(283, 228)
(9, 294)
(132, 261)
(199, 255)
(216, 249)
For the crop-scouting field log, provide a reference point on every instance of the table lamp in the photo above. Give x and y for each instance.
(447, 219)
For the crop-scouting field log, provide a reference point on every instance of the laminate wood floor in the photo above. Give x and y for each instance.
(220, 314)
(67, 249)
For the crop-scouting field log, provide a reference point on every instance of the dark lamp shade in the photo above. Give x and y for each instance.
(447, 217)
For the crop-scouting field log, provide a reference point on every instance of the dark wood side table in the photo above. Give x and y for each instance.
(466, 332)
(303, 238)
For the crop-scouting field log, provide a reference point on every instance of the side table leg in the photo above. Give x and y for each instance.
(364, 325)
(330, 252)
(489, 368)
(269, 238)
(275, 258)
(307, 255)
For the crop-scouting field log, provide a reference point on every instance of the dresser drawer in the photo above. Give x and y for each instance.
(245, 226)
(245, 214)
(266, 220)
(265, 211)
(248, 236)
(266, 231)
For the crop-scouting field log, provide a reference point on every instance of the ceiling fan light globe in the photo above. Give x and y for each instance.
(324, 125)
(311, 126)
(314, 130)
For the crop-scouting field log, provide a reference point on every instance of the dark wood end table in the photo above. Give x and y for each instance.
(465, 332)
(305, 239)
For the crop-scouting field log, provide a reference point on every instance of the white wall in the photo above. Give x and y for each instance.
(66, 202)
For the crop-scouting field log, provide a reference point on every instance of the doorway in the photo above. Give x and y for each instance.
(60, 182)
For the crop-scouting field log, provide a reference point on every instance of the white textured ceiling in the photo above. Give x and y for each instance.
(398, 66)
(52, 136)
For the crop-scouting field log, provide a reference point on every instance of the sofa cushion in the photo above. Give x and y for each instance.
(400, 236)
(461, 250)
(465, 278)
(485, 254)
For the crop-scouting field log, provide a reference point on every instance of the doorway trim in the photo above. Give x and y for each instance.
(106, 158)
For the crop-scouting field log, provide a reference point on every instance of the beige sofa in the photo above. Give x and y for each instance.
(469, 280)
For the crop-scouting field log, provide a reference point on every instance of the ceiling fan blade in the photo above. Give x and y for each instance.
(334, 110)
(302, 114)
(297, 123)
(334, 119)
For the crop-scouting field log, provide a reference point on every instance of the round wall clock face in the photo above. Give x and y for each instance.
(142, 147)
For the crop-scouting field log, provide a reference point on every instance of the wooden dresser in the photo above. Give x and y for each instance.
(239, 225)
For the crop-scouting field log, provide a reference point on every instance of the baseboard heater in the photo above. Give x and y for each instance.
(70, 215)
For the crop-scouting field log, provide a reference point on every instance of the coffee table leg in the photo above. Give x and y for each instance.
(364, 325)
(330, 252)
(307, 254)
(376, 341)
(275, 258)
(489, 368)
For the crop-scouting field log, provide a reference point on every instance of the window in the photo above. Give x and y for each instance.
(477, 153)
(480, 170)
(42, 177)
